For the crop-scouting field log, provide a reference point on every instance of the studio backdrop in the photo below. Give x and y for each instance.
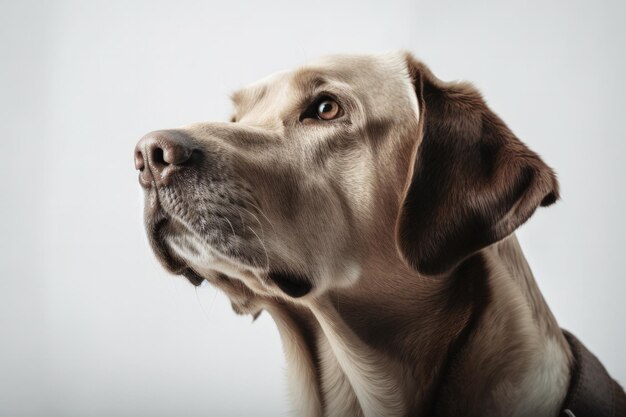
(90, 324)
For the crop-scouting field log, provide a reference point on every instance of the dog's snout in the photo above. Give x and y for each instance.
(159, 154)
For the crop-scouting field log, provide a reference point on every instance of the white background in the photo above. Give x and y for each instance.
(89, 323)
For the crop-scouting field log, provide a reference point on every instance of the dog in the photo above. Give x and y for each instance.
(370, 209)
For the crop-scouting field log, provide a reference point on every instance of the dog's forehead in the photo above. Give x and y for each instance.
(364, 74)
(356, 65)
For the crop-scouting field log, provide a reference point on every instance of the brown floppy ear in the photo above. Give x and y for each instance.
(472, 181)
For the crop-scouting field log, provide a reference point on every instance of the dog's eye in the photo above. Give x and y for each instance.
(324, 108)
(328, 109)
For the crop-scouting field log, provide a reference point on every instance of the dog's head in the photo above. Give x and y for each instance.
(323, 169)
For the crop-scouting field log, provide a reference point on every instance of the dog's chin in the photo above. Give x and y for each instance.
(164, 231)
(158, 228)
(182, 258)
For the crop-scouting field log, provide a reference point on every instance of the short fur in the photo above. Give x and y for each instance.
(380, 242)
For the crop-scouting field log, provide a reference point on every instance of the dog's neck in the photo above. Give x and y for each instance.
(481, 340)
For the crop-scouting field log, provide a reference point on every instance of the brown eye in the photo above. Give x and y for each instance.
(328, 109)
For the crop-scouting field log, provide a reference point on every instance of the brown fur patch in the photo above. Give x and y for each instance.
(473, 181)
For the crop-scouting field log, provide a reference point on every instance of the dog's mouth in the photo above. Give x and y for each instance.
(163, 230)
(192, 276)
(170, 262)
(294, 285)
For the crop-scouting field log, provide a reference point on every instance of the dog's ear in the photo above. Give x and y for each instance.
(471, 183)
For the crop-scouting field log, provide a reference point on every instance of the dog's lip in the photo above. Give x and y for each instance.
(292, 284)
(192, 276)
(165, 257)
(159, 223)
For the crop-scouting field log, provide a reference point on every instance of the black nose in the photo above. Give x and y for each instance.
(159, 154)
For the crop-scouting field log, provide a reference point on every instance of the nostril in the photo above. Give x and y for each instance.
(158, 156)
(140, 164)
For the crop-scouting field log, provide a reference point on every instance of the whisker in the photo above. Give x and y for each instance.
(267, 259)
(213, 300)
(257, 220)
(231, 225)
(204, 312)
(243, 224)
(263, 214)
